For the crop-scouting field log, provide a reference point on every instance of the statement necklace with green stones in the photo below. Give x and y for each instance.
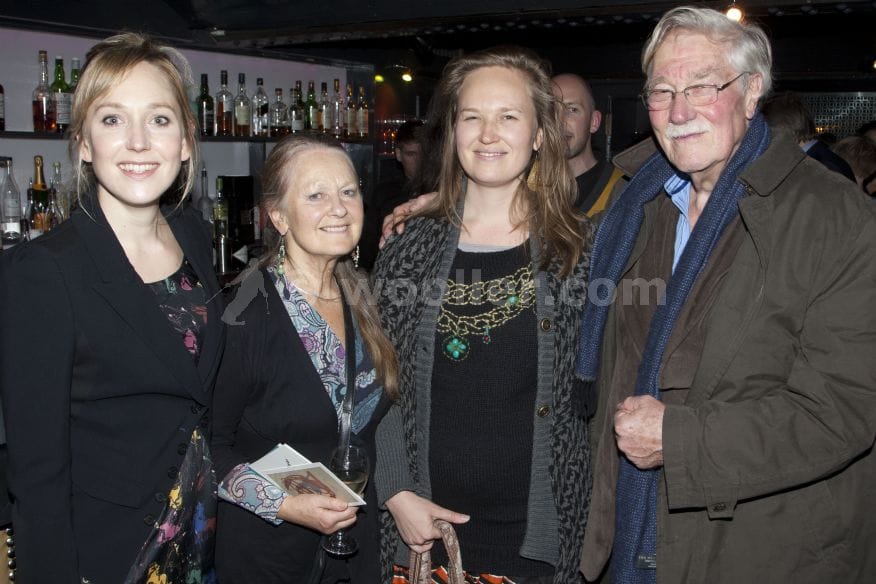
(509, 296)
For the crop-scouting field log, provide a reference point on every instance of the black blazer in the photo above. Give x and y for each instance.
(100, 396)
(269, 392)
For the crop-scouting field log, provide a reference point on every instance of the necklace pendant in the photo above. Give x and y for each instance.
(456, 347)
(487, 338)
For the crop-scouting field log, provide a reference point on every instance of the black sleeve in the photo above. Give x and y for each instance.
(37, 342)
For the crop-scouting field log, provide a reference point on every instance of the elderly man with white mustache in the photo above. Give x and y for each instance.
(737, 403)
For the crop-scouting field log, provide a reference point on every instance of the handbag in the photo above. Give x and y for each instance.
(420, 566)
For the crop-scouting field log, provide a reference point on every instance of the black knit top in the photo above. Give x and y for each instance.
(482, 426)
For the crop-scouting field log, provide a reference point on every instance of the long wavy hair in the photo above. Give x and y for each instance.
(279, 168)
(106, 64)
(548, 208)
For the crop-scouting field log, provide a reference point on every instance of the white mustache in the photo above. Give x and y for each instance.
(695, 127)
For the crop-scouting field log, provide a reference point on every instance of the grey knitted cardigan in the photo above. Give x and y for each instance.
(409, 280)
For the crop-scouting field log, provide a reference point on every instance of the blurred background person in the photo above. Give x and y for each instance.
(860, 153)
(488, 370)
(594, 176)
(113, 320)
(786, 112)
(395, 191)
(284, 374)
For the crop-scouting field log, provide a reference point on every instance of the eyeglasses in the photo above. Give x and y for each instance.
(661, 99)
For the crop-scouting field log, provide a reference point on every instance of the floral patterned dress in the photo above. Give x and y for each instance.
(180, 548)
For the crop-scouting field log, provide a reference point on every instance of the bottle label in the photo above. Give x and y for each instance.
(12, 227)
(297, 125)
(242, 114)
(362, 122)
(63, 107)
(34, 233)
(351, 122)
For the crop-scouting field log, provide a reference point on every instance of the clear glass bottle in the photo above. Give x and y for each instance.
(43, 107)
(279, 121)
(242, 109)
(11, 209)
(324, 117)
(296, 112)
(311, 109)
(38, 196)
(62, 99)
(224, 107)
(58, 203)
(362, 114)
(260, 109)
(74, 74)
(206, 111)
(350, 126)
(339, 115)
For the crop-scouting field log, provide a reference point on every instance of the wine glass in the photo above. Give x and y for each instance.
(350, 464)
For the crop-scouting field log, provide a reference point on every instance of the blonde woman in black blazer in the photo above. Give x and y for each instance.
(110, 345)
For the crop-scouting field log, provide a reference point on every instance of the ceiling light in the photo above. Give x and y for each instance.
(378, 78)
(407, 77)
(734, 13)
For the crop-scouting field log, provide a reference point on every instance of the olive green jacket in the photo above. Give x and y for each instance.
(769, 466)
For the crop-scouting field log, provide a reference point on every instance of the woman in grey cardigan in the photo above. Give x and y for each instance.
(481, 296)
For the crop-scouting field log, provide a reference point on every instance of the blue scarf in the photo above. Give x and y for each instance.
(636, 501)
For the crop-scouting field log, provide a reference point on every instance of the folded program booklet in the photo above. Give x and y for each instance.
(289, 470)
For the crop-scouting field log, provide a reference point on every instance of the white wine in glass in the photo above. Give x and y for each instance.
(351, 466)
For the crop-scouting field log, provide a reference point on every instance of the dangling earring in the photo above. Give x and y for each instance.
(355, 257)
(533, 179)
(281, 257)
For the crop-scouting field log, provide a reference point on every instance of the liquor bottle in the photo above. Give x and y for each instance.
(338, 114)
(38, 193)
(350, 126)
(206, 112)
(74, 74)
(11, 209)
(311, 109)
(362, 114)
(224, 107)
(325, 110)
(61, 97)
(58, 203)
(242, 108)
(220, 229)
(2, 109)
(279, 120)
(260, 107)
(296, 112)
(43, 106)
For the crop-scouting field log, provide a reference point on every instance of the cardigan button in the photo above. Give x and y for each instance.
(149, 520)
(543, 411)
(546, 324)
(172, 472)
(160, 497)
(182, 448)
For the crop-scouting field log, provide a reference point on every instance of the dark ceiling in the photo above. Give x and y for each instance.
(826, 41)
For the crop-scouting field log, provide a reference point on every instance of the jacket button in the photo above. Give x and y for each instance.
(196, 409)
(543, 411)
(149, 520)
(160, 497)
(546, 324)
(182, 448)
(172, 472)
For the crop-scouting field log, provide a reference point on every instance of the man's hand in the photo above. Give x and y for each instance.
(415, 518)
(396, 219)
(638, 428)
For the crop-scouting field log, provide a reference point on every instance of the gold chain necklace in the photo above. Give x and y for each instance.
(510, 295)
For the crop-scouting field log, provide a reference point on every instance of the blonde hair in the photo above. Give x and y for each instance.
(279, 168)
(548, 209)
(109, 61)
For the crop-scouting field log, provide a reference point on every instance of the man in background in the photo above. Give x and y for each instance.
(785, 112)
(595, 177)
